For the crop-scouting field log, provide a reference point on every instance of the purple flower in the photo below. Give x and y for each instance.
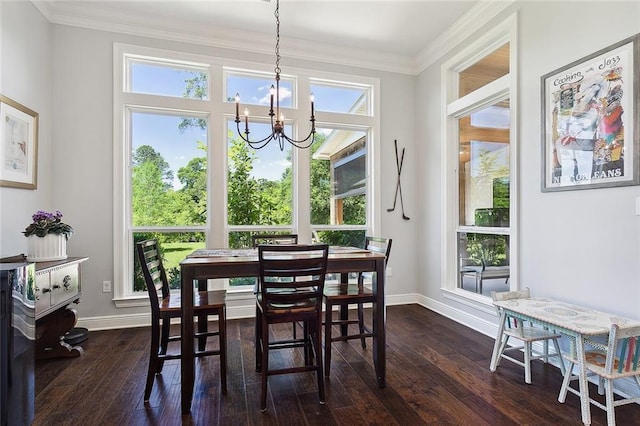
(48, 223)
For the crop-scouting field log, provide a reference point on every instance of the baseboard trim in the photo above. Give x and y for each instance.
(242, 306)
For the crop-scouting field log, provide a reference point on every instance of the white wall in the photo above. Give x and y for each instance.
(585, 243)
(578, 246)
(25, 77)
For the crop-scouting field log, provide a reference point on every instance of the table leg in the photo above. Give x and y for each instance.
(344, 308)
(187, 358)
(379, 332)
(582, 380)
(50, 330)
(496, 346)
(202, 320)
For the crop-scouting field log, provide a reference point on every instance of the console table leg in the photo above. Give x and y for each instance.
(50, 331)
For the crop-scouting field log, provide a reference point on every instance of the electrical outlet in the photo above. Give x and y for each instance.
(389, 271)
(106, 286)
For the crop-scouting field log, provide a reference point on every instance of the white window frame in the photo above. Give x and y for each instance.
(218, 110)
(454, 107)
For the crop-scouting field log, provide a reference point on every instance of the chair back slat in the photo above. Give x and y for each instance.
(510, 295)
(155, 276)
(292, 273)
(623, 349)
(376, 245)
(631, 342)
(636, 356)
(379, 245)
(274, 239)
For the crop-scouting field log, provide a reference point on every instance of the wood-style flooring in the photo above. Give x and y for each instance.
(437, 374)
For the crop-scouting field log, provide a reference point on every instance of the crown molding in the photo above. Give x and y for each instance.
(94, 16)
(462, 29)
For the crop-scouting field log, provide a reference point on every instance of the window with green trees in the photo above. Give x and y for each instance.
(188, 180)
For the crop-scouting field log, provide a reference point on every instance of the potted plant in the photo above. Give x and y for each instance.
(48, 237)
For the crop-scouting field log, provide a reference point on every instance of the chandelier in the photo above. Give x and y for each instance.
(277, 118)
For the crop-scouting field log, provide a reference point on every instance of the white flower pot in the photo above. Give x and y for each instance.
(47, 248)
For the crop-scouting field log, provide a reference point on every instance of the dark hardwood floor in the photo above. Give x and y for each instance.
(437, 373)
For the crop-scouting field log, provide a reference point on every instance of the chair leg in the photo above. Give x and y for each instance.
(318, 358)
(565, 383)
(496, 362)
(222, 329)
(361, 325)
(164, 343)
(153, 361)
(611, 414)
(557, 348)
(306, 344)
(527, 362)
(545, 353)
(327, 338)
(202, 328)
(265, 364)
(258, 340)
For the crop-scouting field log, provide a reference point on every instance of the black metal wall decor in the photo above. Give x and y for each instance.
(399, 163)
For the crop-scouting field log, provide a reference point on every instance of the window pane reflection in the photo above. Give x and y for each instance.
(483, 262)
(484, 174)
(486, 70)
(339, 178)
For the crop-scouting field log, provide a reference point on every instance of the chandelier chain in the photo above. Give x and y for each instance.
(277, 15)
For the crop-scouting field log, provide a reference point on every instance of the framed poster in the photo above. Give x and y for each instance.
(590, 120)
(18, 145)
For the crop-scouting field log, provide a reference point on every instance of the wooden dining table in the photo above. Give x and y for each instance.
(206, 264)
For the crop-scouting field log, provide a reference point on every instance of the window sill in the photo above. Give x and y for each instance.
(467, 298)
(131, 301)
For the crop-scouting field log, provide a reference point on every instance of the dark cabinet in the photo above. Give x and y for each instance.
(17, 342)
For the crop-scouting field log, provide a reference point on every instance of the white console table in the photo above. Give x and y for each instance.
(58, 285)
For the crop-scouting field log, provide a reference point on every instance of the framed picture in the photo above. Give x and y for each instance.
(18, 145)
(590, 120)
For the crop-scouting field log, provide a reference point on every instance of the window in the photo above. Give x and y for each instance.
(183, 175)
(352, 99)
(167, 187)
(479, 146)
(339, 186)
(255, 88)
(156, 77)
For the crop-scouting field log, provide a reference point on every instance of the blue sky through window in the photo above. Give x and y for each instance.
(178, 148)
(161, 132)
(160, 80)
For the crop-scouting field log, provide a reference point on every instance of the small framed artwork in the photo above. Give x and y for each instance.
(18, 145)
(590, 126)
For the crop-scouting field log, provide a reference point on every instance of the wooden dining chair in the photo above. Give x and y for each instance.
(346, 294)
(528, 334)
(276, 239)
(165, 306)
(290, 285)
(616, 359)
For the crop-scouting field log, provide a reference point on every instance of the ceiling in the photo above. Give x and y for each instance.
(355, 32)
